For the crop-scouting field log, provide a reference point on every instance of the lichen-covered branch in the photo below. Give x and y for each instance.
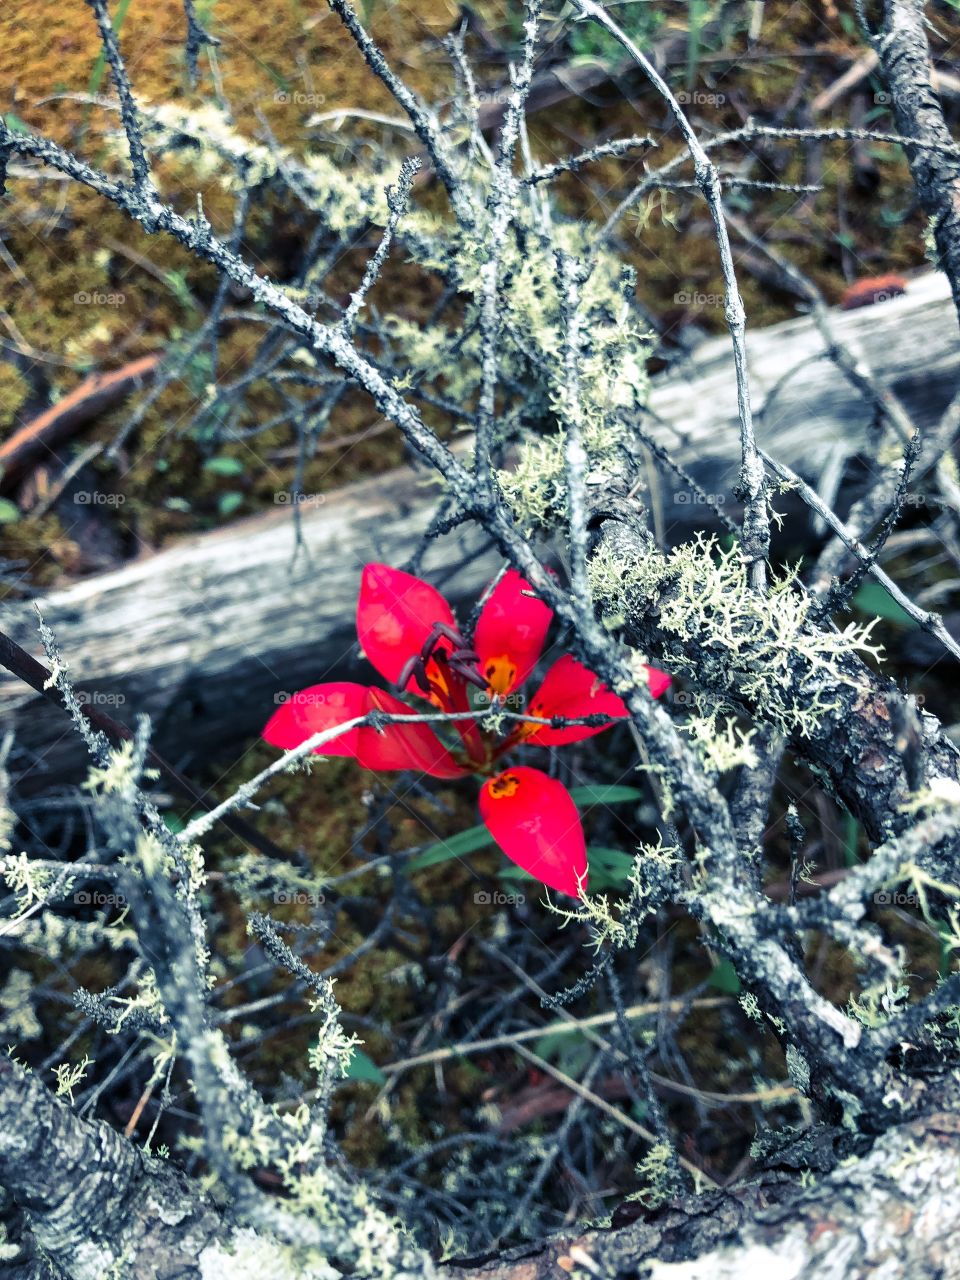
(537, 344)
(893, 1210)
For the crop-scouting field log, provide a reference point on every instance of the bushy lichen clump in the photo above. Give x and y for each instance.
(721, 743)
(657, 1174)
(612, 374)
(734, 646)
(18, 1019)
(347, 197)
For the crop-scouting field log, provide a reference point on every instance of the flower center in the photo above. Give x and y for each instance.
(504, 786)
(500, 674)
(526, 727)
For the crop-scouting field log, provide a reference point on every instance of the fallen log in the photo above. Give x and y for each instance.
(207, 635)
(805, 408)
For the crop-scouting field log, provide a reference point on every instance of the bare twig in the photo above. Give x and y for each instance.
(755, 534)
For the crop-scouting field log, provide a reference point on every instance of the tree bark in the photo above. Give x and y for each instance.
(90, 1198)
(856, 745)
(894, 1212)
(905, 62)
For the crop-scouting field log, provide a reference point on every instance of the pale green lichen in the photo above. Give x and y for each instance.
(750, 1006)
(146, 1002)
(54, 936)
(734, 645)
(657, 1173)
(331, 1054)
(721, 744)
(536, 485)
(877, 1005)
(798, 1069)
(31, 882)
(19, 1018)
(8, 822)
(254, 878)
(617, 925)
(68, 1077)
(214, 151)
(118, 775)
(612, 372)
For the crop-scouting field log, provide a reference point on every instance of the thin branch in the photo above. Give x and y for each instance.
(128, 106)
(569, 1026)
(755, 533)
(928, 621)
(197, 37)
(397, 200)
(503, 200)
(621, 1117)
(424, 125)
(575, 455)
(604, 150)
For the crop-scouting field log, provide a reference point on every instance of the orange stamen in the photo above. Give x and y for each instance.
(448, 692)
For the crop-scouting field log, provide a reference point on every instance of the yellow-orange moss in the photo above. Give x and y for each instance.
(281, 64)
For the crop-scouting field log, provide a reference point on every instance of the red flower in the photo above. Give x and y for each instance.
(409, 633)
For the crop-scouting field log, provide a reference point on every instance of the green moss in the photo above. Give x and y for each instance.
(13, 392)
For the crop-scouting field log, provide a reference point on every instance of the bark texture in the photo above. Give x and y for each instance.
(91, 1199)
(857, 746)
(905, 62)
(892, 1212)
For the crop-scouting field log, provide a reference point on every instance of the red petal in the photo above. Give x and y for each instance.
(322, 706)
(535, 822)
(658, 681)
(401, 746)
(395, 615)
(510, 633)
(571, 690)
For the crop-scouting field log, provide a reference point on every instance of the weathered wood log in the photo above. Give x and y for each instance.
(89, 1196)
(206, 635)
(910, 344)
